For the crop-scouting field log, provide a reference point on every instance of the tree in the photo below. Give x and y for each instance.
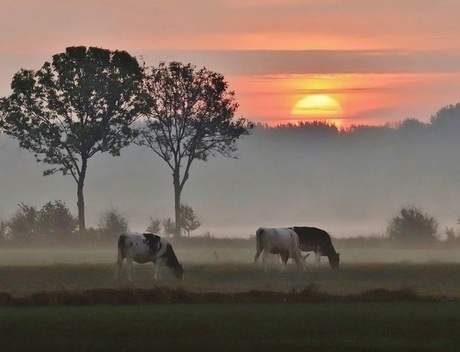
(23, 224)
(447, 118)
(82, 103)
(168, 227)
(191, 118)
(188, 220)
(112, 223)
(412, 225)
(55, 220)
(154, 225)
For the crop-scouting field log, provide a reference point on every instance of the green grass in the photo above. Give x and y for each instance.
(234, 327)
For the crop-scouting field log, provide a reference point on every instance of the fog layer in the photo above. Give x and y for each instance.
(348, 182)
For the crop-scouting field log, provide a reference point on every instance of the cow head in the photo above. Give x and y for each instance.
(334, 260)
(179, 271)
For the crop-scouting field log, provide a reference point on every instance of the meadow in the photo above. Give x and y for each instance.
(380, 299)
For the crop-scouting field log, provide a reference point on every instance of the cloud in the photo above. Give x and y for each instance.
(263, 62)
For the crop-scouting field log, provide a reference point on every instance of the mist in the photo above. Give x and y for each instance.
(350, 182)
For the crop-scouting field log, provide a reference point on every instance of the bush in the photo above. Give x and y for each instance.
(52, 221)
(413, 226)
(112, 223)
(23, 224)
(55, 220)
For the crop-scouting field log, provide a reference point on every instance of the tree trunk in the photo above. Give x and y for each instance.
(80, 197)
(177, 192)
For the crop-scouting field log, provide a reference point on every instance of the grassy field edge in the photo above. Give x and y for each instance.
(171, 295)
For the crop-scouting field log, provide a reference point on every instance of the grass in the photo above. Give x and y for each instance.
(212, 254)
(425, 279)
(234, 327)
(378, 320)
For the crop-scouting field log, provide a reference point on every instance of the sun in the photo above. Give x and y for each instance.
(317, 106)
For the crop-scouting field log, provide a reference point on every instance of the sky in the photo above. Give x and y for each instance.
(346, 61)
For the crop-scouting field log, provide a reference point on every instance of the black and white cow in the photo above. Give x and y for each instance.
(318, 241)
(282, 241)
(147, 248)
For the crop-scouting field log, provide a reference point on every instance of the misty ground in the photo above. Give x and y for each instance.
(227, 266)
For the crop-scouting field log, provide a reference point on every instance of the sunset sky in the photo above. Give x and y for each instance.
(350, 61)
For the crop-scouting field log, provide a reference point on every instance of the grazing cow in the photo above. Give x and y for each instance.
(318, 241)
(284, 242)
(147, 248)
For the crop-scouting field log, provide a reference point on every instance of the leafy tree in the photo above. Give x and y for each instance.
(412, 225)
(82, 103)
(447, 118)
(112, 223)
(154, 225)
(189, 221)
(191, 118)
(55, 219)
(23, 224)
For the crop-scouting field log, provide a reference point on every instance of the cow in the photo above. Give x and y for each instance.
(147, 248)
(318, 241)
(282, 241)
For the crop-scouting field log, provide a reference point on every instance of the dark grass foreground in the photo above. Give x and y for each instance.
(168, 295)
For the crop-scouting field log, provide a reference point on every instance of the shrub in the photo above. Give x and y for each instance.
(23, 224)
(413, 225)
(55, 220)
(112, 223)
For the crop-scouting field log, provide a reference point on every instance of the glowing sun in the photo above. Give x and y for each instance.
(317, 105)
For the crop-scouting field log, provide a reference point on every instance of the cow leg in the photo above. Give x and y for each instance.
(156, 271)
(284, 259)
(129, 268)
(118, 271)
(256, 257)
(265, 256)
(317, 258)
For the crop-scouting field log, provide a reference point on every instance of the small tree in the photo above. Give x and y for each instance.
(189, 221)
(112, 223)
(191, 118)
(23, 224)
(55, 220)
(168, 227)
(154, 225)
(412, 226)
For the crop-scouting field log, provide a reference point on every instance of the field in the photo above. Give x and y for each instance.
(236, 327)
(380, 299)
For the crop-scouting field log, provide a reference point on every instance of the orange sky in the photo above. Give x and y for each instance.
(382, 61)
